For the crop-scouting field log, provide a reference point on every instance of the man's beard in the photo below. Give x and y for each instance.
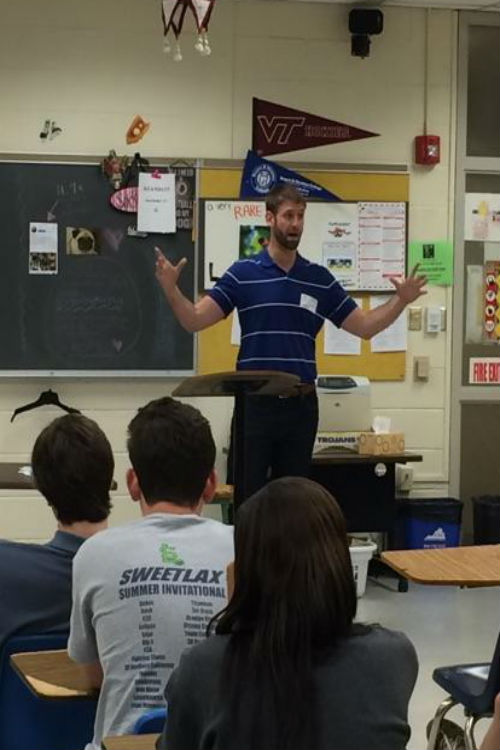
(289, 242)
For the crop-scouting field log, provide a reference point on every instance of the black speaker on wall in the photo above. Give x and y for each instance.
(364, 22)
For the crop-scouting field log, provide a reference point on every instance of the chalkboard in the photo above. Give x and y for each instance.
(103, 311)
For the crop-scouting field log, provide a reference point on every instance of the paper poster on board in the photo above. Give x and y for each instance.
(482, 217)
(339, 241)
(362, 244)
(156, 202)
(381, 244)
(42, 256)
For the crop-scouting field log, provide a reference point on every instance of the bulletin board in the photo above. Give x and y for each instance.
(363, 243)
(215, 351)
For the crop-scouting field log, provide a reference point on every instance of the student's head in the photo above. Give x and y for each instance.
(294, 601)
(172, 453)
(73, 466)
(292, 562)
(285, 208)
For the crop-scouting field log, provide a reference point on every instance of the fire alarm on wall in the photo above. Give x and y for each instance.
(427, 149)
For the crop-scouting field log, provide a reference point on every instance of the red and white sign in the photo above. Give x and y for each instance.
(484, 370)
(276, 129)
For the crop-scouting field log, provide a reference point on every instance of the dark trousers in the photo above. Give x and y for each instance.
(279, 438)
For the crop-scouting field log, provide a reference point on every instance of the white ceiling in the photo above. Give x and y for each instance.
(489, 5)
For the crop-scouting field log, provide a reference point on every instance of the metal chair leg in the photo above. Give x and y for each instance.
(442, 710)
(470, 723)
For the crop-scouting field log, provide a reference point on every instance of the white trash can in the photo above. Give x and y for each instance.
(361, 553)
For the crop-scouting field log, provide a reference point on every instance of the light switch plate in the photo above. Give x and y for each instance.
(421, 368)
(414, 318)
(433, 319)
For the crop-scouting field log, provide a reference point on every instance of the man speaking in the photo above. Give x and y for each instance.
(282, 301)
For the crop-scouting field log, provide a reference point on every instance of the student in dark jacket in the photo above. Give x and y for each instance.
(288, 668)
(73, 466)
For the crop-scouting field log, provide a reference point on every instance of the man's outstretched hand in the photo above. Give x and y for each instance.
(410, 288)
(167, 273)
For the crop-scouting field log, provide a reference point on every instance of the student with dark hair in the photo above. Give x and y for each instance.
(282, 301)
(288, 668)
(72, 465)
(144, 591)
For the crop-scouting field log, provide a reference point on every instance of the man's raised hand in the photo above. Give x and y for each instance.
(410, 288)
(167, 273)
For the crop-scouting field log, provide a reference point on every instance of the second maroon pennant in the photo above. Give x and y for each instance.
(276, 129)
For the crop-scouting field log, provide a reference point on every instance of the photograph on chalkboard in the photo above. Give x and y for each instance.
(43, 263)
(253, 239)
(82, 241)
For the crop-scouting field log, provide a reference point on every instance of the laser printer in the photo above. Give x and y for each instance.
(344, 410)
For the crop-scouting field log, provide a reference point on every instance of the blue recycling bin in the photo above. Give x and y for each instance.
(429, 523)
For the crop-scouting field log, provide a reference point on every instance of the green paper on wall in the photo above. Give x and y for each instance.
(435, 260)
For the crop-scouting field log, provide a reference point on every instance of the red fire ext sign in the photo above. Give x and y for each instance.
(484, 370)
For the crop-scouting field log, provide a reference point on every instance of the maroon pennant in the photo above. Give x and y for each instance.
(276, 129)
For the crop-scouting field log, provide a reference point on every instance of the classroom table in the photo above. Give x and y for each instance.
(52, 674)
(449, 566)
(130, 742)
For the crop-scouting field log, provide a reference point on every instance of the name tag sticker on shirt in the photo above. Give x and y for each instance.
(308, 302)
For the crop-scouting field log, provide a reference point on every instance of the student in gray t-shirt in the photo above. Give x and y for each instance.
(287, 667)
(144, 591)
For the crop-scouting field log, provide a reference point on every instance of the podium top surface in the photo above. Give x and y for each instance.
(252, 382)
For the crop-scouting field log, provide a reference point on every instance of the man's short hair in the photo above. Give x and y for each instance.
(73, 466)
(282, 193)
(172, 450)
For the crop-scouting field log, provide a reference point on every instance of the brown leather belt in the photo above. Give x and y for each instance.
(303, 389)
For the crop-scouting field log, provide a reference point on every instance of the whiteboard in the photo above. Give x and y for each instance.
(363, 244)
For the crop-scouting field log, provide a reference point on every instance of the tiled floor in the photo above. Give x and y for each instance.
(447, 625)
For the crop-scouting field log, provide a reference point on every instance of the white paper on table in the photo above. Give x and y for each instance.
(394, 338)
(235, 329)
(156, 202)
(338, 341)
(43, 237)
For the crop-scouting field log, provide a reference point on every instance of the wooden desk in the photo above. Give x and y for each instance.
(224, 497)
(455, 566)
(16, 475)
(364, 486)
(52, 674)
(131, 742)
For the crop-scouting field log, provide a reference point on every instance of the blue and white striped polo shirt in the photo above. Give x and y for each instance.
(281, 313)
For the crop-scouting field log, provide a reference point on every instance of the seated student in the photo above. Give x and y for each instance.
(144, 591)
(288, 668)
(73, 467)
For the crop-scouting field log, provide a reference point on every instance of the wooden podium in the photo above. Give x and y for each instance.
(240, 385)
